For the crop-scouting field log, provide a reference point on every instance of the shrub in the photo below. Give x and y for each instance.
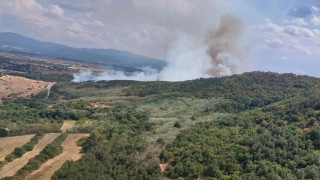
(177, 125)
(3, 132)
(18, 152)
(10, 157)
(160, 141)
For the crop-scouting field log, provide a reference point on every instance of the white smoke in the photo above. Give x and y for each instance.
(213, 54)
(147, 74)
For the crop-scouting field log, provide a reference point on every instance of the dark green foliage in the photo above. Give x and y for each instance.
(21, 112)
(3, 132)
(10, 157)
(109, 161)
(8, 178)
(269, 129)
(273, 142)
(177, 125)
(109, 151)
(241, 92)
(17, 114)
(18, 152)
(35, 128)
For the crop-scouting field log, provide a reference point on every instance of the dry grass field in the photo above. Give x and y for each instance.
(7, 144)
(11, 168)
(70, 152)
(20, 87)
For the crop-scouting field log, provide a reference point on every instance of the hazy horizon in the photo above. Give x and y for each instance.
(276, 35)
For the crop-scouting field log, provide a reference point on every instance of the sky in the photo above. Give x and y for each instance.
(277, 35)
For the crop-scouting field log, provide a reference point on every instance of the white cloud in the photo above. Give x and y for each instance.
(274, 43)
(297, 21)
(55, 10)
(303, 49)
(83, 5)
(298, 31)
(98, 23)
(314, 8)
(289, 38)
(315, 20)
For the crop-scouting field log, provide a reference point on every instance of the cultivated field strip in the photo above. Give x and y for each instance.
(11, 168)
(70, 152)
(8, 144)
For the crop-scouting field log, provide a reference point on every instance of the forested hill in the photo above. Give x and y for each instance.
(257, 125)
(240, 92)
(264, 126)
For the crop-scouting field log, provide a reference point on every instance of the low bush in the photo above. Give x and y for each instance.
(4, 132)
(35, 128)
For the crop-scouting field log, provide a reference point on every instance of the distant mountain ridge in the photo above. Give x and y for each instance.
(13, 42)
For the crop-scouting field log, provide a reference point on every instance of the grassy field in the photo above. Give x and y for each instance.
(165, 112)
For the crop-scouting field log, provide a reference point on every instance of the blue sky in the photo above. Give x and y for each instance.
(279, 35)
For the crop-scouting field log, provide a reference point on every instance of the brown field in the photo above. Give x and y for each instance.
(11, 168)
(70, 152)
(20, 87)
(67, 125)
(7, 144)
(100, 105)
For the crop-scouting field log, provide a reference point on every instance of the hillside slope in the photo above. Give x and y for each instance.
(16, 43)
(251, 126)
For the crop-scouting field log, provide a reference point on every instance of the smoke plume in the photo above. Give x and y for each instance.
(226, 56)
(214, 53)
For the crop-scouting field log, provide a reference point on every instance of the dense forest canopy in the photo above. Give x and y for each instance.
(250, 126)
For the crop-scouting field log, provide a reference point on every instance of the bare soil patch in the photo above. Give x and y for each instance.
(7, 144)
(163, 166)
(11, 168)
(70, 152)
(67, 125)
(100, 105)
(15, 86)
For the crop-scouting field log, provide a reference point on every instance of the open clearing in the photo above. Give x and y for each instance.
(20, 86)
(11, 168)
(7, 144)
(70, 152)
(67, 125)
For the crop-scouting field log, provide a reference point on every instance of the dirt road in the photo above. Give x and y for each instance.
(70, 152)
(11, 168)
